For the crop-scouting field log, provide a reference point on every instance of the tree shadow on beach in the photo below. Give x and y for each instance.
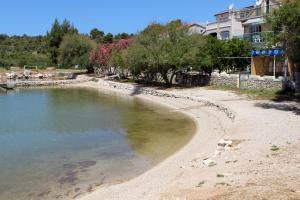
(287, 96)
(283, 101)
(294, 108)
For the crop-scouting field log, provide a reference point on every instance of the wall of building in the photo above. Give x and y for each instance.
(196, 30)
(264, 65)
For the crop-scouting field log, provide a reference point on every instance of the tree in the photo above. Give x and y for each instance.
(121, 36)
(101, 56)
(285, 22)
(74, 50)
(55, 37)
(163, 50)
(238, 52)
(97, 35)
(108, 38)
(3, 37)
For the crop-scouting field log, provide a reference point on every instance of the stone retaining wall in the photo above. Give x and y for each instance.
(49, 83)
(254, 82)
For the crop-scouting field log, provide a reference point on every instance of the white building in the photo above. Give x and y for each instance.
(196, 29)
(253, 20)
(226, 26)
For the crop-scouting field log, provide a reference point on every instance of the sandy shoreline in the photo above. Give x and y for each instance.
(186, 174)
(263, 161)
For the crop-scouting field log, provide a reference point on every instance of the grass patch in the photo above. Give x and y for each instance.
(274, 148)
(251, 93)
(260, 93)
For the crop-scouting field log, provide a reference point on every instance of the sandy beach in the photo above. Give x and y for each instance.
(243, 149)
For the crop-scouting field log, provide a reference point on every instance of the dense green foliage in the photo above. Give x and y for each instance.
(23, 50)
(56, 35)
(100, 37)
(286, 22)
(44, 51)
(161, 51)
(74, 51)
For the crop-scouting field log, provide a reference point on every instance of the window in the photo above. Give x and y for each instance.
(225, 35)
(268, 6)
(256, 34)
(255, 29)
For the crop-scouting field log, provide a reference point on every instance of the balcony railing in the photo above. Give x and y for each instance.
(255, 12)
(220, 24)
(258, 38)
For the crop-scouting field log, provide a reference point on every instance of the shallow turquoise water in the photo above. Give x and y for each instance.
(62, 143)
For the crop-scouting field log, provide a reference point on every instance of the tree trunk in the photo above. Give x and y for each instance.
(172, 77)
(297, 76)
(166, 79)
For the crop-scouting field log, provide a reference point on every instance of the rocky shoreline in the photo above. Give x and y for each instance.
(49, 83)
(137, 89)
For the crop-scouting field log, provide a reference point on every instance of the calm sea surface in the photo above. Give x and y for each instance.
(63, 143)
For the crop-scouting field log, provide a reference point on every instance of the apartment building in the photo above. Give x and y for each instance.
(249, 24)
(253, 20)
(226, 26)
(265, 61)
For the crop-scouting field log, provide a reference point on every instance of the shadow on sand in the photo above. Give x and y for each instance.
(283, 101)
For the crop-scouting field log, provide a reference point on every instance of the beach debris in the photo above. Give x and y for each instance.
(201, 183)
(209, 162)
(223, 175)
(220, 175)
(231, 161)
(274, 148)
(226, 145)
(222, 184)
(11, 75)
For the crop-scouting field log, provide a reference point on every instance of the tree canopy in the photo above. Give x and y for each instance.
(55, 37)
(285, 22)
(74, 51)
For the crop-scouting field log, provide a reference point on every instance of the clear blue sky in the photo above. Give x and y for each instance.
(35, 17)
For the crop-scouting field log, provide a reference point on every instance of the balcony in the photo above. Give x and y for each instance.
(258, 38)
(220, 24)
(255, 12)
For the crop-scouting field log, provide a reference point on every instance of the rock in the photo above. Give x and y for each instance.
(224, 143)
(209, 163)
(27, 73)
(11, 75)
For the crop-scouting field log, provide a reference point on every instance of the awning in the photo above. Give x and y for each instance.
(267, 52)
(254, 21)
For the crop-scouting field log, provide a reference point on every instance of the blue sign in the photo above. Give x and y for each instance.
(268, 52)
